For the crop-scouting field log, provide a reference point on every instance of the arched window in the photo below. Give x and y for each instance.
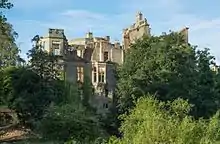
(105, 56)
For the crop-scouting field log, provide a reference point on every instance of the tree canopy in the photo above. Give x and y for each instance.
(153, 121)
(170, 68)
(8, 48)
(5, 4)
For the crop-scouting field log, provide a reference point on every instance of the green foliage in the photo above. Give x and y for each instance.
(207, 91)
(23, 92)
(87, 89)
(5, 4)
(153, 121)
(8, 48)
(70, 121)
(30, 90)
(45, 64)
(170, 68)
(110, 121)
(1, 89)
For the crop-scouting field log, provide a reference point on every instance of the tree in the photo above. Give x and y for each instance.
(153, 121)
(5, 4)
(29, 90)
(22, 90)
(110, 121)
(22, 93)
(45, 64)
(87, 89)
(170, 68)
(8, 48)
(207, 90)
(70, 121)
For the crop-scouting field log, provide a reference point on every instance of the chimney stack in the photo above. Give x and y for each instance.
(89, 35)
(107, 38)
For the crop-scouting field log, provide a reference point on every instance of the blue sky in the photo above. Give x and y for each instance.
(31, 17)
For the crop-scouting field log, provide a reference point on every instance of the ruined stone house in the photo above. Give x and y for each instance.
(95, 57)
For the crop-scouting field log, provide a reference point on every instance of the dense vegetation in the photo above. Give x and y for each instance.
(166, 93)
(153, 121)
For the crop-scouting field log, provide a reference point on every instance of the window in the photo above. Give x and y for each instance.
(42, 44)
(80, 74)
(105, 105)
(94, 74)
(106, 92)
(105, 56)
(56, 52)
(56, 48)
(79, 53)
(101, 75)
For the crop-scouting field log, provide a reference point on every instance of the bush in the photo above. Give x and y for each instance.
(152, 121)
(69, 122)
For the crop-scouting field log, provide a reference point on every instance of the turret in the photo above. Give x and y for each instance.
(139, 17)
(89, 35)
(185, 33)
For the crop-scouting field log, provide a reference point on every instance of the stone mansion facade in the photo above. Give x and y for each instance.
(95, 57)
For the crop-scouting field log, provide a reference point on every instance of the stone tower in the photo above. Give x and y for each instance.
(185, 33)
(135, 31)
(55, 42)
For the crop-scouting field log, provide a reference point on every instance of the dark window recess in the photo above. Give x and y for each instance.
(94, 74)
(55, 46)
(105, 105)
(106, 92)
(103, 77)
(105, 56)
(100, 77)
(95, 78)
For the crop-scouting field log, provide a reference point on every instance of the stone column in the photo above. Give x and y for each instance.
(92, 78)
(105, 71)
(122, 56)
(100, 51)
(97, 72)
(111, 54)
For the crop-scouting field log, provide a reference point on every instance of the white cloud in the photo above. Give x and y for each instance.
(163, 15)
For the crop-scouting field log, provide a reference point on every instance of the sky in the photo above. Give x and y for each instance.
(77, 17)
